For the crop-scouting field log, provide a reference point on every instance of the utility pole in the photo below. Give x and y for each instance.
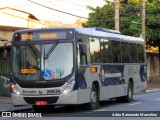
(143, 19)
(117, 28)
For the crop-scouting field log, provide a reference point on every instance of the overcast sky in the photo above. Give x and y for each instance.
(76, 7)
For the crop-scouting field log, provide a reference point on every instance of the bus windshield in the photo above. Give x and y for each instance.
(42, 61)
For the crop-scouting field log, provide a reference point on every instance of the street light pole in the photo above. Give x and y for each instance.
(143, 20)
(117, 15)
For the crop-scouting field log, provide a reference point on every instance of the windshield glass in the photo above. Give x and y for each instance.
(42, 62)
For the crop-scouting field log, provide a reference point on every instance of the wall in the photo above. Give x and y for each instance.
(4, 73)
(6, 35)
(153, 65)
(11, 20)
(17, 18)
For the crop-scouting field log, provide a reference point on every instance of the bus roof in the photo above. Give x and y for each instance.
(96, 32)
(109, 34)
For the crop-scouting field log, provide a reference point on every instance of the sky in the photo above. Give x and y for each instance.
(76, 7)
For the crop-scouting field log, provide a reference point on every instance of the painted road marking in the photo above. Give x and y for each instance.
(157, 99)
(135, 103)
(154, 90)
(101, 110)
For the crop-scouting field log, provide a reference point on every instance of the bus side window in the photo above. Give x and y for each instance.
(95, 52)
(83, 54)
(116, 51)
(133, 52)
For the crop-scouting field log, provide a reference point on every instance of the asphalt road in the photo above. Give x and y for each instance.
(144, 107)
(142, 103)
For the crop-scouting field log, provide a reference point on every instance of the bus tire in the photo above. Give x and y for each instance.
(94, 98)
(129, 97)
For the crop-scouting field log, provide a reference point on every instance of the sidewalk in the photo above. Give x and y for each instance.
(6, 105)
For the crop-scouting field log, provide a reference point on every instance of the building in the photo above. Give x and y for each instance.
(12, 20)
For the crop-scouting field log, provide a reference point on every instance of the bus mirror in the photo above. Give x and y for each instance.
(5, 54)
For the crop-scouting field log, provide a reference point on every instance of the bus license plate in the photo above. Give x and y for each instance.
(41, 102)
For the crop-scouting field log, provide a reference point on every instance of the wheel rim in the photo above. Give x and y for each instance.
(94, 97)
(130, 93)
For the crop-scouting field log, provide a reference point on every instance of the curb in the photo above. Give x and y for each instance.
(153, 90)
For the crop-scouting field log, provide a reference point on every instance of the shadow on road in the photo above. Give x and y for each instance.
(79, 110)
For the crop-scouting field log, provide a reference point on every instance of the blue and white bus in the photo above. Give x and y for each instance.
(72, 66)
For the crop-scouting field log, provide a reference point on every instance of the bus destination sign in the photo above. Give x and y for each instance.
(34, 36)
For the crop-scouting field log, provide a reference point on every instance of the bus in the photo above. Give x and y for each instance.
(73, 66)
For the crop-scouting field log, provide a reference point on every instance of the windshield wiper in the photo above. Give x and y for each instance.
(50, 50)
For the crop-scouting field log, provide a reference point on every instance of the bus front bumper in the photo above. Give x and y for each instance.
(69, 98)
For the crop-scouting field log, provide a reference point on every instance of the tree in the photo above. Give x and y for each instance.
(101, 17)
(153, 23)
(130, 10)
(104, 17)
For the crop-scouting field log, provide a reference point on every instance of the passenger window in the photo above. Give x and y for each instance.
(133, 52)
(95, 52)
(106, 51)
(125, 52)
(116, 51)
(140, 50)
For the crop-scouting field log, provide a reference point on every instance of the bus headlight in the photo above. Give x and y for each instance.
(14, 89)
(69, 88)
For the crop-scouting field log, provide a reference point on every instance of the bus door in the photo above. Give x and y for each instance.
(83, 68)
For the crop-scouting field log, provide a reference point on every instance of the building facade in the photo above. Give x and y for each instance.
(12, 20)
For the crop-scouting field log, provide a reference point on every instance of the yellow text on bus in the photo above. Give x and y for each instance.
(27, 36)
(28, 71)
(48, 36)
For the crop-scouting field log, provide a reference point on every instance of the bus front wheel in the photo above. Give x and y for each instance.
(94, 99)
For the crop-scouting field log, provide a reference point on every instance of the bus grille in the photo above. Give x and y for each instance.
(31, 100)
(34, 85)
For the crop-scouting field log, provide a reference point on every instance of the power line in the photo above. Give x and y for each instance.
(74, 14)
(57, 10)
(73, 3)
(82, 7)
(89, 2)
(68, 13)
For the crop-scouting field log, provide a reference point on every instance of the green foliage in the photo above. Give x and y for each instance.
(134, 1)
(130, 10)
(101, 17)
(105, 17)
(153, 23)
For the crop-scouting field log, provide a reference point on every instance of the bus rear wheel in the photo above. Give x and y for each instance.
(94, 99)
(129, 97)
